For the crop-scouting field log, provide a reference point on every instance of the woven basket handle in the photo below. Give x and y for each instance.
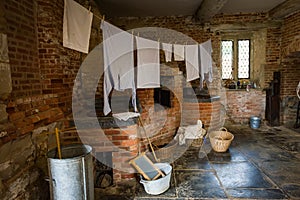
(223, 128)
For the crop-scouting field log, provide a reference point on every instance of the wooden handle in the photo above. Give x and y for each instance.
(58, 143)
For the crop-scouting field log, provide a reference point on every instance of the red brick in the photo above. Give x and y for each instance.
(16, 116)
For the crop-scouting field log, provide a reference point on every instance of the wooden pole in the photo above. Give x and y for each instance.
(58, 143)
(148, 140)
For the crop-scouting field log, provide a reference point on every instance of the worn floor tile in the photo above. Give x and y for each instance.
(241, 175)
(256, 193)
(198, 185)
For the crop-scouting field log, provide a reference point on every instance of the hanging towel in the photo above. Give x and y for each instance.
(76, 26)
(206, 62)
(118, 63)
(178, 52)
(148, 66)
(167, 48)
(192, 62)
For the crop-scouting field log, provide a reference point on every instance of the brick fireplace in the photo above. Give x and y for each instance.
(123, 140)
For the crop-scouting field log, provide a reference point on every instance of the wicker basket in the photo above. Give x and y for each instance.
(220, 140)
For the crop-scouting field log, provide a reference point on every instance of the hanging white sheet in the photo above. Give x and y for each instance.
(178, 52)
(206, 61)
(76, 26)
(148, 66)
(167, 48)
(118, 62)
(192, 62)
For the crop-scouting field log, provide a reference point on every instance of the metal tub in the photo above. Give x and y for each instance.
(71, 178)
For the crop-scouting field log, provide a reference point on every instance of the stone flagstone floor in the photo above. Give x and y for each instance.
(260, 164)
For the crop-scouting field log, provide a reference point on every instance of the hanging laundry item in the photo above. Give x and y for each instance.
(76, 26)
(118, 63)
(148, 66)
(206, 62)
(167, 48)
(192, 62)
(178, 52)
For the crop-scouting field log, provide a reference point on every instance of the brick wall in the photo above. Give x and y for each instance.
(161, 122)
(22, 47)
(58, 65)
(41, 73)
(208, 112)
(272, 54)
(242, 105)
(290, 68)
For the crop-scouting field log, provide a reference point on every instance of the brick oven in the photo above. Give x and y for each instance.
(162, 111)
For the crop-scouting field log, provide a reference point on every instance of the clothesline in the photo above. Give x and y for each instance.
(118, 48)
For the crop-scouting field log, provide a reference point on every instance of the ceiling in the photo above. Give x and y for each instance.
(142, 8)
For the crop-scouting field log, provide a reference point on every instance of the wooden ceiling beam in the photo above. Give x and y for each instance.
(250, 26)
(285, 9)
(208, 9)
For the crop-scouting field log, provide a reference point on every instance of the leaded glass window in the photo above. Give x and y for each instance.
(243, 59)
(227, 59)
(235, 58)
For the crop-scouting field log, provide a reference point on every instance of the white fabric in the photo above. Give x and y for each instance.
(167, 48)
(148, 66)
(76, 26)
(206, 61)
(126, 115)
(192, 62)
(118, 62)
(190, 132)
(178, 52)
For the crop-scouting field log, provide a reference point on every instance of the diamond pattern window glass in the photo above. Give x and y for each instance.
(243, 59)
(227, 59)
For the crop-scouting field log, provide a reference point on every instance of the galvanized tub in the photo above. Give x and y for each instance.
(254, 122)
(71, 178)
(160, 185)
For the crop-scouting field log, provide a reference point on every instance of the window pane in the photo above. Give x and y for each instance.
(244, 58)
(227, 59)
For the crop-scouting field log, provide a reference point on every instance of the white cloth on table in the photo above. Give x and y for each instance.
(126, 115)
(167, 48)
(178, 52)
(192, 62)
(77, 26)
(205, 61)
(148, 66)
(118, 63)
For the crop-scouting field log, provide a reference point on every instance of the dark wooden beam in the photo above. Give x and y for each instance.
(284, 9)
(208, 9)
(250, 26)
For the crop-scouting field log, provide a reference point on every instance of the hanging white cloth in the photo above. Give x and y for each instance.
(148, 66)
(118, 63)
(178, 52)
(76, 26)
(206, 61)
(167, 48)
(192, 62)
